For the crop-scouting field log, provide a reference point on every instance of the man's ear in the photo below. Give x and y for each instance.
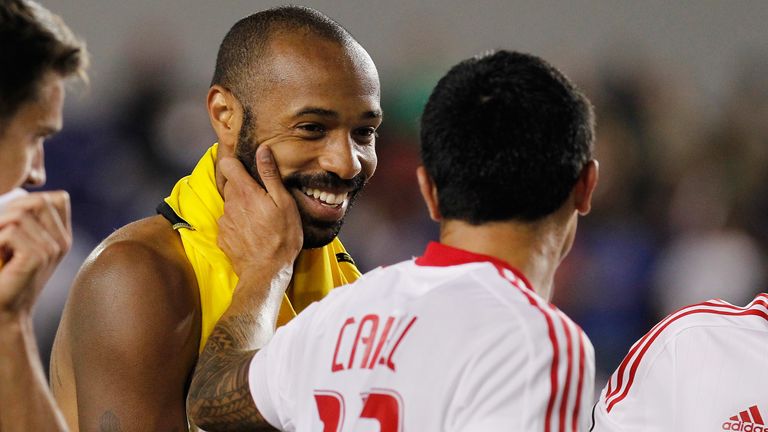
(585, 187)
(226, 115)
(429, 193)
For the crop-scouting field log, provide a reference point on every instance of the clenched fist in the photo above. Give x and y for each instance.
(35, 234)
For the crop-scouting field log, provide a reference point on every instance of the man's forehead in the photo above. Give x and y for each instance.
(43, 114)
(304, 57)
(49, 104)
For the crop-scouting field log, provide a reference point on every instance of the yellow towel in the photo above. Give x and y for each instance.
(197, 201)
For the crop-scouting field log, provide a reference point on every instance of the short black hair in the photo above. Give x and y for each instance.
(505, 136)
(33, 42)
(247, 42)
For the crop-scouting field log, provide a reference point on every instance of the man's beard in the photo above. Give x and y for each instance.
(317, 233)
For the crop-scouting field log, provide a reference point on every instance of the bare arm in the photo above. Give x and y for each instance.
(26, 402)
(35, 233)
(129, 337)
(219, 397)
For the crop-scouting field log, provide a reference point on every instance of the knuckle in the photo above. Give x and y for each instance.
(269, 172)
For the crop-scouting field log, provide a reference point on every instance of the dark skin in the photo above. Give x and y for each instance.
(219, 397)
(130, 334)
(139, 323)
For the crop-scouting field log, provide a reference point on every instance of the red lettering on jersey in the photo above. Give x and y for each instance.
(368, 336)
(367, 341)
(382, 339)
(336, 366)
(390, 363)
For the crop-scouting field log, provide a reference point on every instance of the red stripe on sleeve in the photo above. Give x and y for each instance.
(555, 347)
(640, 344)
(580, 385)
(636, 364)
(567, 388)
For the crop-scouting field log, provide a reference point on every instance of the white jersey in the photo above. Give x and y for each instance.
(451, 341)
(703, 368)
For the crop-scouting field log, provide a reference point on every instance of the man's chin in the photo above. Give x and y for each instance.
(318, 235)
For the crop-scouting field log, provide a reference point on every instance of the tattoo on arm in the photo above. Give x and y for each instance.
(220, 394)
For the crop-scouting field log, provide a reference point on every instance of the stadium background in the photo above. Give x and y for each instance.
(680, 89)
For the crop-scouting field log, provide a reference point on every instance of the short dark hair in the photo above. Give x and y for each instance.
(247, 42)
(33, 42)
(504, 137)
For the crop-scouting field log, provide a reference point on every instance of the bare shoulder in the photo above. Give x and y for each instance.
(148, 248)
(137, 277)
(130, 333)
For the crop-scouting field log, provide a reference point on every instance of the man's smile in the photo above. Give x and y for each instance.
(327, 198)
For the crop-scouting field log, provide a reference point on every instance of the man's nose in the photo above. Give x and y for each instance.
(36, 175)
(342, 157)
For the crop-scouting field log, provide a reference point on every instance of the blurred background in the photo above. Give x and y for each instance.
(680, 90)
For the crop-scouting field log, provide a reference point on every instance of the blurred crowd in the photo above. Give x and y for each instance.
(680, 216)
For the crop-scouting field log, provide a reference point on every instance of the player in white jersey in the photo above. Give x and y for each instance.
(451, 341)
(460, 339)
(703, 368)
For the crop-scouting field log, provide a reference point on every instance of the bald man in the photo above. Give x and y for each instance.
(145, 301)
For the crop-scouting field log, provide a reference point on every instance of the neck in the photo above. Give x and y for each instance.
(535, 249)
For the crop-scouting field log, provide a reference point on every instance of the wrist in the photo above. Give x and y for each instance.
(261, 289)
(13, 327)
(272, 275)
(15, 319)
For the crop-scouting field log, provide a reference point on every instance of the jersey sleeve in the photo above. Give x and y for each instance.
(640, 395)
(273, 370)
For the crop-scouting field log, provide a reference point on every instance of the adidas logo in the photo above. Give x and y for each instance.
(749, 420)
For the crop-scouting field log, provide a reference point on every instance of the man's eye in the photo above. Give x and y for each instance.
(367, 132)
(312, 127)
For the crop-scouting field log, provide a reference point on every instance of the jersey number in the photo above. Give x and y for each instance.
(384, 406)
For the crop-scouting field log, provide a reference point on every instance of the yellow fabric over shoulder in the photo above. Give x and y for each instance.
(197, 201)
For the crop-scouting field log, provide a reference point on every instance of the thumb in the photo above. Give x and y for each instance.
(270, 174)
(265, 164)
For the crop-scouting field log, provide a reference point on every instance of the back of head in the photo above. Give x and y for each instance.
(33, 42)
(504, 137)
(246, 45)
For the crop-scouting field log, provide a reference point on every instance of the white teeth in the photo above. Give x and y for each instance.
(325, 197)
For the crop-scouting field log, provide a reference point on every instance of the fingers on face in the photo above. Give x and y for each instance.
(240, 185)
(27, 243)
(44, 217)
(238, 180)
(265, 164)
(59, 201)
(270, 176)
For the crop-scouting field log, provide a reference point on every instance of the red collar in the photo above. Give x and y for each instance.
(440, 255)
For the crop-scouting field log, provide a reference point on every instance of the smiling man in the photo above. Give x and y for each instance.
(288, 79)
(460, 339)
